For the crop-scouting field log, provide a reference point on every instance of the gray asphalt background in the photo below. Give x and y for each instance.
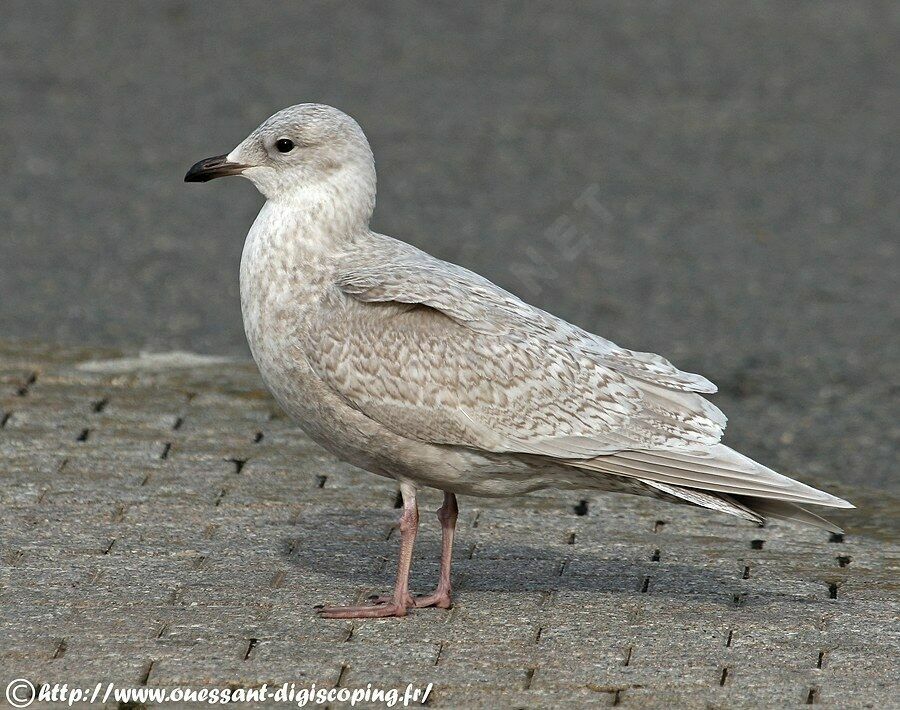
(714, 181)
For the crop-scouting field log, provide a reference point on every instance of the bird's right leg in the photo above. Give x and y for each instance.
(400, 600)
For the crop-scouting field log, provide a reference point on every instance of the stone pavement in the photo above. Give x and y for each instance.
(163, 524)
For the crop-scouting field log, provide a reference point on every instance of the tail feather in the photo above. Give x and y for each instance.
(755, 510)
(720, 502)
(792, 512)
(717, 470)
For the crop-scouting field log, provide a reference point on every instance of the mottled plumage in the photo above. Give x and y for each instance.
(424, 371)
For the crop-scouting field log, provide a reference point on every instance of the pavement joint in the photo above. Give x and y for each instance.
(188, 536)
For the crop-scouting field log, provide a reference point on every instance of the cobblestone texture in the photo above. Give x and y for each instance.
(165, 525)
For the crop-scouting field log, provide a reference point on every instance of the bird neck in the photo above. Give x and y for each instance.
(302, 233)
(335, 207)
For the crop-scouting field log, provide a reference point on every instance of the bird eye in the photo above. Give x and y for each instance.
(284, 145)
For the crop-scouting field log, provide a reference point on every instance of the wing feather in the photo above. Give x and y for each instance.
(407, 275)
(440, 354)
(612, 398)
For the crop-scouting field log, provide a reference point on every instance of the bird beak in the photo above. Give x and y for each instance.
(211, 168)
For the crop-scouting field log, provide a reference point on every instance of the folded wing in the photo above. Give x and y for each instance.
(438, 353)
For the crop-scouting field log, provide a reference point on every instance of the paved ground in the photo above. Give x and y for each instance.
(715, 181)
(164, 525)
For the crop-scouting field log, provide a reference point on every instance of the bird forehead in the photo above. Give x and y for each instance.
(309, 118)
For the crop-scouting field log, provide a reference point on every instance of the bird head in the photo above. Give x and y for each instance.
(300, 153)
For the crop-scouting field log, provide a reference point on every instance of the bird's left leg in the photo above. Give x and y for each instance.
(400, 600)
(447, 514)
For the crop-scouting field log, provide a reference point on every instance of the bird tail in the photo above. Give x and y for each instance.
(756, 510)
(721, 479)
(792, 512)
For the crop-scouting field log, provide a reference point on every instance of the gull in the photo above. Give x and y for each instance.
(425, 372)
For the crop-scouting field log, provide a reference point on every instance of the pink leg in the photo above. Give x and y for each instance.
(447, 514)
(398, 603)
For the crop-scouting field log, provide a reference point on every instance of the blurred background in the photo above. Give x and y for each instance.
(713, 181)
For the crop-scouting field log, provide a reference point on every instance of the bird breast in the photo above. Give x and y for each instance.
(283, 276)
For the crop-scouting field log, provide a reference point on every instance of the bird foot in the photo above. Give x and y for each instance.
(389, 599)
(372, 611)
(439, 599)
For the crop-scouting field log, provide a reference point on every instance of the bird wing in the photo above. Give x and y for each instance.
(437, 353)
(440, 354)
(404, 274)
